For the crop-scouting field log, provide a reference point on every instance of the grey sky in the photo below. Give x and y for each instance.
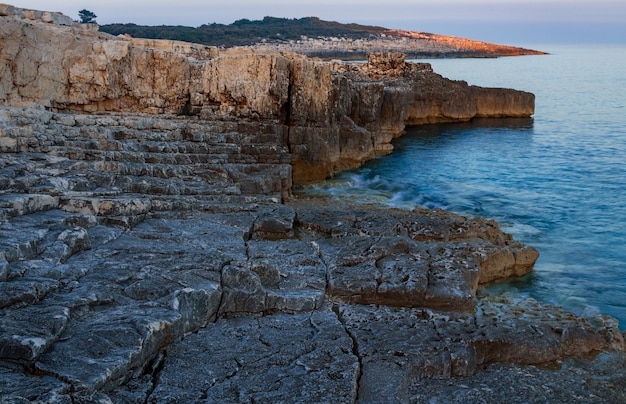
(502, 21)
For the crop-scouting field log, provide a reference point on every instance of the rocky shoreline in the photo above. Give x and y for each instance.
(152, 250)
(328, 40)
(414, 45)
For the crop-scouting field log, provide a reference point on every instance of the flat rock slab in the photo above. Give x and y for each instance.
(419, 258)
(19, 387)
(356, 353)
(105, 311)
(598, 380)
(305, 357)
(267, 303)
(401, 350)
(398, 271)
(25, 339)
(285, 275)
(497, 254)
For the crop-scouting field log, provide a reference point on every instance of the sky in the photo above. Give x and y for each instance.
(510, 22)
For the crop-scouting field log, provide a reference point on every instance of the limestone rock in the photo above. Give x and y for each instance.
(7, 10)
(26, 388)
(400, 349)
(276, 224)
(23, 339)
(598, 380)
(338, 115)
(309, 355)
(381, 65)
(488, 253)
(278, 276)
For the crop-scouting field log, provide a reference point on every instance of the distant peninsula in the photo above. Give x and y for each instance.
(314, 37)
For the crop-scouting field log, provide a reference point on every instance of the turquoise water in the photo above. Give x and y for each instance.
(556, 181)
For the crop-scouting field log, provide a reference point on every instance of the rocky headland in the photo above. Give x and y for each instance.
(152, 248)
(314, 37)
(414, 45)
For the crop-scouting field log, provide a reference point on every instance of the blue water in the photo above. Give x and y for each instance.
(556, 181)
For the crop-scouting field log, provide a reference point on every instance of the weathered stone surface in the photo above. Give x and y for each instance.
(339, 115)
(124, 304)
(385, 64)
(421, 237)
(396, 271)
(258, 359)
(599, 380)
(399, 348)
(18, 387)
(276, 224)
(23, 339)
(35, 15)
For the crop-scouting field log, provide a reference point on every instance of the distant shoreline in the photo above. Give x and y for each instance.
(313, 37)
(362, 55)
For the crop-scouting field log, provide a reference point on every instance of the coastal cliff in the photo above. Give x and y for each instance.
(338, 114)
(151, 249)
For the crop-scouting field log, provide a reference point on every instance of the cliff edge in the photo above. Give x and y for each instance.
(337, 114)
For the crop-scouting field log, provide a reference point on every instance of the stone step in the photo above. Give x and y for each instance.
(177, 149)
(247, 154)
(161, 186)
(154, 129)
(150, 179)
(213, 203)
(202, 136)
(83, 154)
(18, 139)
(102, 204)
(12, 205)
(158, 147)
(102, 182)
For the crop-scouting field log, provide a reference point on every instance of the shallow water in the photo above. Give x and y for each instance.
(556, 181)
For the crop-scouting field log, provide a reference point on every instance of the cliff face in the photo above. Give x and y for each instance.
(338, 114)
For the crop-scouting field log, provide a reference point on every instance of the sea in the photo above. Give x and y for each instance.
(556, 181)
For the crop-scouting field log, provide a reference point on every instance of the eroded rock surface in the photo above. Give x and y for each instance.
(152, 258)
(201, 305)
(333, 115)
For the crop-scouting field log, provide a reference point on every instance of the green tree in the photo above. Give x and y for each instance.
(87, 17)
